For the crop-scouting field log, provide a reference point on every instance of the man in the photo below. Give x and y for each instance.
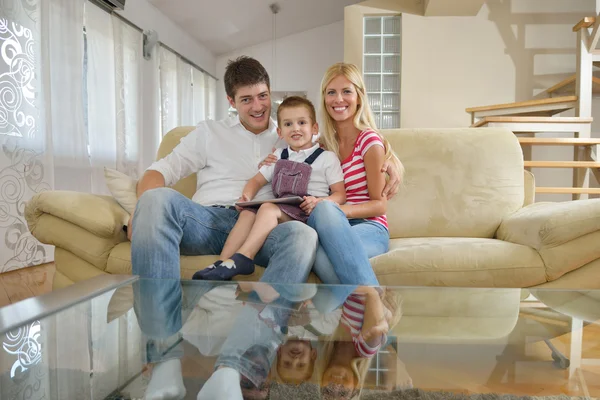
(166, 224)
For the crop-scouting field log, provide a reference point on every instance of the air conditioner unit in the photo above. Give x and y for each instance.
(110, 5)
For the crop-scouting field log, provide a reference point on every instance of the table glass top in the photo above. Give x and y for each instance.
(120, 337)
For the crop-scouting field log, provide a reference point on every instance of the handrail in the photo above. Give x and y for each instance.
(586, 22)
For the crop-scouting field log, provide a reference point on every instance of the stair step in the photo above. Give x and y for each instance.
(566, 87)
(562, 164)
(540, 107)
(567, 190)
(510, 122)
(558, 141)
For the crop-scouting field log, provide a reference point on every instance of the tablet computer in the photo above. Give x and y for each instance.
(295, 200)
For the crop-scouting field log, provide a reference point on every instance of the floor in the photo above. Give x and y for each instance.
(24, 283)
(524, 368)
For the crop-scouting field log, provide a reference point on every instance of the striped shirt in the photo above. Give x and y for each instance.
(355, 175)
(353, 315)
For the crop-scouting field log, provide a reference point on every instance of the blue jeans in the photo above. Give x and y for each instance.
(167, 224)
(344, 252)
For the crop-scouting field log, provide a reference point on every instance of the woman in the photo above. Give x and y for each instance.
(352, 233)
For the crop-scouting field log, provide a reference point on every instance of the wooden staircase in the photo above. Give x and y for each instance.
(541, 115)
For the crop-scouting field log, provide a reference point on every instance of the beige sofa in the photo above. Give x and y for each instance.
(465, 218)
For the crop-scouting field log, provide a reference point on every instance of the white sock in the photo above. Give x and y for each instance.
(166, 382)
(224, 384)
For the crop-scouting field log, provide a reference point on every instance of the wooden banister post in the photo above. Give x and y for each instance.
(583, 90)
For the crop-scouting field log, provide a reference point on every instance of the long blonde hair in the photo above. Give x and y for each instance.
(360, 365)
(363, 119)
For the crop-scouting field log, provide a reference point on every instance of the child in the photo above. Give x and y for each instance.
(296, 361)
(303, 169)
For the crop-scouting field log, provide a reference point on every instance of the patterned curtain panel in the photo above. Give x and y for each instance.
(25, 165)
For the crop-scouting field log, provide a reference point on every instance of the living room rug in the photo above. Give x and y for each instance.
(311, 392)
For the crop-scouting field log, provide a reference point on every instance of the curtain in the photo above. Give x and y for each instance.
(200, 95)
(113, 79)
(128, 87)
(40, 110)
(62, 83)
(187, 95)
(101, 94)
(169, 113)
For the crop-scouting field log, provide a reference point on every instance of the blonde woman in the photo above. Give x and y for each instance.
(362, 331)
(352, 233)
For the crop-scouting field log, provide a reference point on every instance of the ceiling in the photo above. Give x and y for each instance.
(226, 25)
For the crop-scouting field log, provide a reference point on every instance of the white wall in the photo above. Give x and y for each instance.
(301, 61)
(510, 51)
(148, 17)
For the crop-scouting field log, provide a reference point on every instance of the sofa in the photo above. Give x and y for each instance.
(464, 217)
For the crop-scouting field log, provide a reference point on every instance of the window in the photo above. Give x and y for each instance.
(382, 49)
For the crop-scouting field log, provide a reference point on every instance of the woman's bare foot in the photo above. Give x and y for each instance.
(265, 292)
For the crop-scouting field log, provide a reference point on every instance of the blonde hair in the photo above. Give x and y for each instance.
(363, 119)
(360, 365)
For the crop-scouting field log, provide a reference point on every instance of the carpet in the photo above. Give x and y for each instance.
(311, 392)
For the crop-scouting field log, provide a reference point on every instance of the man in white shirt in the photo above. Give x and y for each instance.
(166, 224)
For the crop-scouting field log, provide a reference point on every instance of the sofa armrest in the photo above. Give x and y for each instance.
(544, 225)
(100, 215)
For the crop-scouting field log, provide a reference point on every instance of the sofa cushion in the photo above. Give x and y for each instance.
(460, 262)
(119, 262)
(122, 188)
(459, 182)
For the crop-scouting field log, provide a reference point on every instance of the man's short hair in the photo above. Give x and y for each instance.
(244, 71)
(297, 101)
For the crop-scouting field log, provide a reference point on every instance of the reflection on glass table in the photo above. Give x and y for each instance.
(120, 337)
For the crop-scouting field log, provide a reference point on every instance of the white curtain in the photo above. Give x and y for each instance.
(187, 95)
(200, 95)
(128, 86)
(113, 79)
(42, 136)
(169, 112)
(62, 83)
(101, 94)
(70, 104)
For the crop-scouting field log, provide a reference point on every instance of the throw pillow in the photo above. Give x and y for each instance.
(122, 188)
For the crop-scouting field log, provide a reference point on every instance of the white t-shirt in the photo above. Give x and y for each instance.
(326, 169)
(225, 155)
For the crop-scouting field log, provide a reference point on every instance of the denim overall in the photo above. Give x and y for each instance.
(290, 178)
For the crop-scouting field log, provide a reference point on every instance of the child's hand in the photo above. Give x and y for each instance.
(243, 198)
(309, 203)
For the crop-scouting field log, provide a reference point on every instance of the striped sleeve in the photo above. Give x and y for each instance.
(368, 140)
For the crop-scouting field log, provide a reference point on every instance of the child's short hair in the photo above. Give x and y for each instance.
(297, 101)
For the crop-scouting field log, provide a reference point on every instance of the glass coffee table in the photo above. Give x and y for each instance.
(121, 337)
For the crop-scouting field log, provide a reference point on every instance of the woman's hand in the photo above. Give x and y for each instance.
(270, 160)
(393, 184)
(309, 203)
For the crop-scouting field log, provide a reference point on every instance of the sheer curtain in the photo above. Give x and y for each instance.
(187, 95)
(113, 79)
(62, 63)
(42, 134)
